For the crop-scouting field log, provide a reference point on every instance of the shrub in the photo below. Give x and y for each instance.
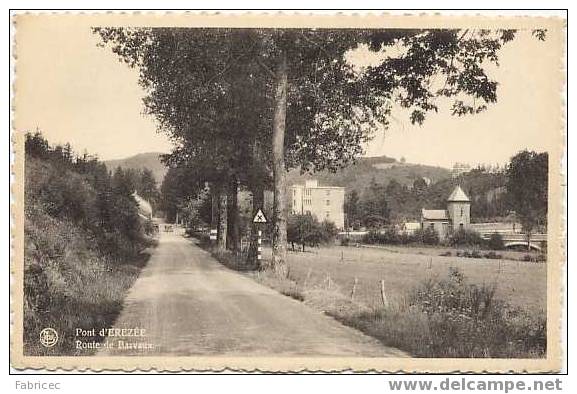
(451, 318)
(372, 237)
(306, 230)
(447, 253)
(496, 242)
(464, 237)
(492, 255)
(427, 236)
(475, 254)
(467, 320)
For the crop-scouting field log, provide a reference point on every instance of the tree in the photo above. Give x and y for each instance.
(322, 118)
(353, 210)
(305, 230)
(527, 189)
(196, 211)
(147, 187)
(374, 206)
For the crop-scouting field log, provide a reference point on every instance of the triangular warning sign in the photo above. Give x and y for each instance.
(259, 217)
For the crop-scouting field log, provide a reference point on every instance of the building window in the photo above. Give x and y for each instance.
(328, 202)
(461, 226)
(294, 203)
(328, 214)
(432, 226)
(462, 211)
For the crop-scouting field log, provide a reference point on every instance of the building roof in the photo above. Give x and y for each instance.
(434, 214)
(458, 195)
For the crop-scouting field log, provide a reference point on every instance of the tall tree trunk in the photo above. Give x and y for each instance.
(279, 247)
(233, 237)
(257, 203)
(222, 219)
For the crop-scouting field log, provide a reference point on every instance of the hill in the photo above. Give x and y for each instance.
(383, 169)
(150, 160)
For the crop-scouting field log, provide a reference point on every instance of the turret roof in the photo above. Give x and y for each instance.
(458, 195)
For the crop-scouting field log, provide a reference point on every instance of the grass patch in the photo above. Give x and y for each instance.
(451, 318)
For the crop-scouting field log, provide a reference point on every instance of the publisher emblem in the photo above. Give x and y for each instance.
(48, 337)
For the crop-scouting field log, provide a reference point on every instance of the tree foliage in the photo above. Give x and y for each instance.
(527, 188)
(305, 230)
(209, 87)
(80, 189)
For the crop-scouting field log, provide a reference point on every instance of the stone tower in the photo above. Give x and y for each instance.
(459, 209)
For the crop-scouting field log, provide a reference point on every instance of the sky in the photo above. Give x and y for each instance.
(76, 92)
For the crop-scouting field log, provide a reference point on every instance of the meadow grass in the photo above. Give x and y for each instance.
(429, 309)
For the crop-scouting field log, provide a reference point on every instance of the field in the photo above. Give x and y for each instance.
(522, 284)
(413, 299)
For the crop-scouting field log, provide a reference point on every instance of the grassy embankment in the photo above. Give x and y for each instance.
(69, 280)
(484, 308)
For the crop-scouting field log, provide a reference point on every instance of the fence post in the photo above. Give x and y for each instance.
(430, 263)
(383, 295)
(354, 288)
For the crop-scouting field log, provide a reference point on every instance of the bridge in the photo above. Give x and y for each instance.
(512, 239)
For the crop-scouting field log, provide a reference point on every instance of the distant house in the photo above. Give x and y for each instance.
(324, 202)
(456, 216)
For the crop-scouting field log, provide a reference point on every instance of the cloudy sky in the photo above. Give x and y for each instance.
(77, 92)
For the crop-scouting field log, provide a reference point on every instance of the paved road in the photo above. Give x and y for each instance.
(189, 304)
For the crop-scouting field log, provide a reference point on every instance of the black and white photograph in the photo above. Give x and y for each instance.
(288, 192)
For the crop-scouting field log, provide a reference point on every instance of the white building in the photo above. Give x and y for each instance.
(324, 202)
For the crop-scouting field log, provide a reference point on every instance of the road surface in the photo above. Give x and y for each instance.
(189, 304)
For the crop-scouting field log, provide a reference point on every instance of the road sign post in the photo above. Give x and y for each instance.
(259, 219)
(213, 234)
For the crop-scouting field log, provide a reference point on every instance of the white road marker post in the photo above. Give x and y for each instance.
(259, 248)
(259, 218)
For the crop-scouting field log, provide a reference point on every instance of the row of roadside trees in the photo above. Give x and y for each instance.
(245, 105)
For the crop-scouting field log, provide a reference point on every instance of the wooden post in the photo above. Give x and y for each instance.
(383, 295)
(430, 263)
(342, 256)
(328, 281)
(354, 288)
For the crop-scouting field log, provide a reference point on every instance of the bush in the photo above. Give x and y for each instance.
(496, 242)
(373, 237)
(306, 230)
(470, 321)
(451, 318)
(492, 255)
(540, 258)
(427, 236)
(464, 237)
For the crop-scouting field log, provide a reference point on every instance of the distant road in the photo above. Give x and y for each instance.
(189, 304)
